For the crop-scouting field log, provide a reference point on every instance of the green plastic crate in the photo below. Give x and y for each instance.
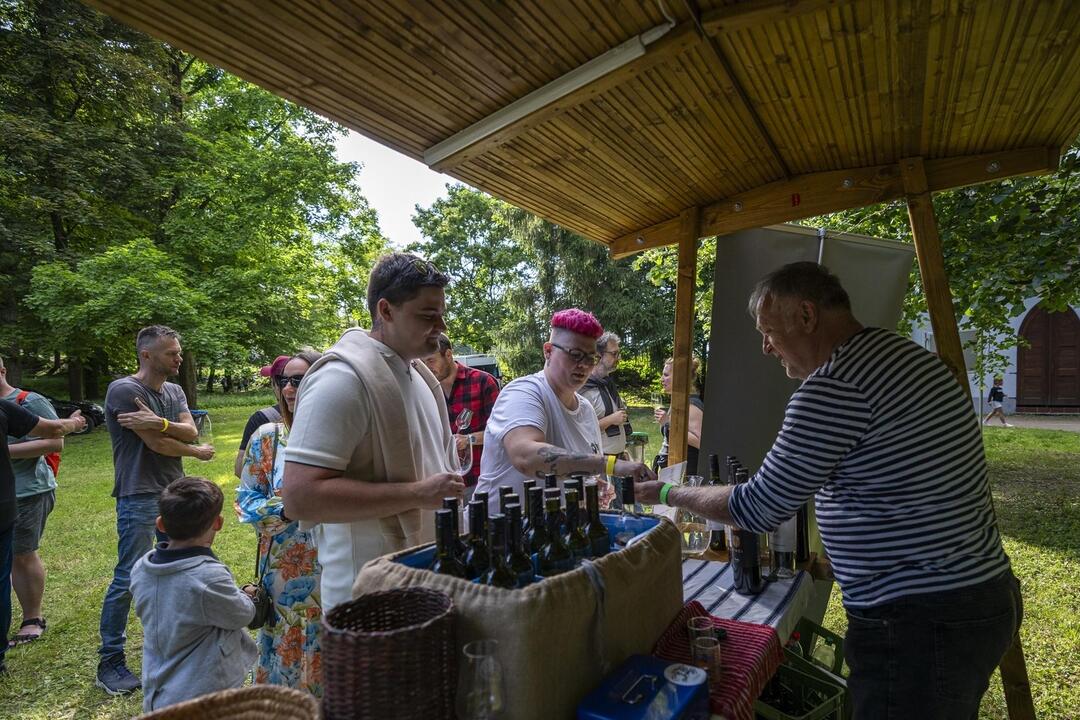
(811, 634)
(817, 696)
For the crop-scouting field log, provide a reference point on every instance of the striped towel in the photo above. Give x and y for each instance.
(779, 605)
(751, 654)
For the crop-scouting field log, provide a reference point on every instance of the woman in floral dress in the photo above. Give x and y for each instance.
(288, 650)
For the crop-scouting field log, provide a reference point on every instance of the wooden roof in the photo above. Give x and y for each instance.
(758, 112)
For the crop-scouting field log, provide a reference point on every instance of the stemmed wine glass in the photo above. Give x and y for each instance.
(464, 452)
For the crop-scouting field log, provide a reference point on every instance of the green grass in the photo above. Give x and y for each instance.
(1036, 478)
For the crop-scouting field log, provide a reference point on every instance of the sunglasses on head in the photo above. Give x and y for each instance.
(283, 380)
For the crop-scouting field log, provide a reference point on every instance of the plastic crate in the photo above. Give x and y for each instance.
(811, 634)
(817, 696)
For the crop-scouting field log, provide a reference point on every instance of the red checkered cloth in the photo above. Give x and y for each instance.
(751, 655)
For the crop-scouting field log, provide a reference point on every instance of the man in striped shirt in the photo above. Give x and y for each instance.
(885, 440)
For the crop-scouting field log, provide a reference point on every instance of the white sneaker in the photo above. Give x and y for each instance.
(1008, 425)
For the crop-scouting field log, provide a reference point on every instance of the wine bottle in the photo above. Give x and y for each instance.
(802, 533)
(782, 549)
(554, 557)
(745, 553)
(508, 500)
(451, 503)
(551, 480)
(557, 495)
(626, 495)
(446, 561)
(477, 557)
(525, 513)
(595, 530)
(499, 574)
(504, 490)
(537, 534)
(575, 539)
(717, 534)
(520, 563)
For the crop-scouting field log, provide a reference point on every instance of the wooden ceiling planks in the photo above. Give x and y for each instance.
(776, 86)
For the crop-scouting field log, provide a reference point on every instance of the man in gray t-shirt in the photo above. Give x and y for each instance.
(150, 427)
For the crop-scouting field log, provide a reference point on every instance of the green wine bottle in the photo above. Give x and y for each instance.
(554, 556)
(595, 530)
(477, 557)
(575, 539)
(537, 535)
(500, 574)
(520, 563)
(446, 561)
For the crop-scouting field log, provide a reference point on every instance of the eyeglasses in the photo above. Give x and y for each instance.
(283, 380)
(579, 357)
(613, 353)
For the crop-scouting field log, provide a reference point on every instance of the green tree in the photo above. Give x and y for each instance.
(131, 161)
(1003, 243)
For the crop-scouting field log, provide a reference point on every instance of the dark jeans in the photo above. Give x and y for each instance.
(930, 656)
(135, 518)
(6, 555)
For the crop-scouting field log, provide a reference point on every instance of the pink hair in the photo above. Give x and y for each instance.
(577, 321)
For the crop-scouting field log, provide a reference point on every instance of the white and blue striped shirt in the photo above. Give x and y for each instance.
(886, 439)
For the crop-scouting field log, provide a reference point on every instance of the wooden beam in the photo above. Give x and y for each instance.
(758, 12)
(832, 191)
(682, 367)
(680, 39)
(935, 283)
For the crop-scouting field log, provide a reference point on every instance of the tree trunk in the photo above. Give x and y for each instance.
(75, 379)
(210, 380)
(188, 378)
(92, 373)
(57, 363)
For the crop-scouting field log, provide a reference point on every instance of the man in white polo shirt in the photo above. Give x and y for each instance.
(370, 452)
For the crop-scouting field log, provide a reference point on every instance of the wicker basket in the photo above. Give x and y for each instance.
(260, 702)
(390, 655)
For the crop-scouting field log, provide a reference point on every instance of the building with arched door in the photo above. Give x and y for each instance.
(1043, 375)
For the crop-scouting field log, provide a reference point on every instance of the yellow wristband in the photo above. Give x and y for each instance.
(610, 465)
(164, 424)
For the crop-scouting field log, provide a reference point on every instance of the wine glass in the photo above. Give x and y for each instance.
(480, 694)
(464, 451)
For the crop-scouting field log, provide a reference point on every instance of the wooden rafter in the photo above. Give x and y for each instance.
(835, 190)
(758, 12)
(681, 38)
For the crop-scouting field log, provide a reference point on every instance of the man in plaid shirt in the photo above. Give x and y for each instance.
(465, 387)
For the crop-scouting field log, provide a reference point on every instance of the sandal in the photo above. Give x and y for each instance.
(23, 638)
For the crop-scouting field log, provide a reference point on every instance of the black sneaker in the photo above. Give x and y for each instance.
(114, 678)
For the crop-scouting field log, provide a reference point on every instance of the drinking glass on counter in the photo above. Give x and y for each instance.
(695, 532)
(480, 694)
(706, 655)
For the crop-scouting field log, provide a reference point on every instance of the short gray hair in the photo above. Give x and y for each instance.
(150, 334)
(801, 281)
(444, 343)
(605, 339)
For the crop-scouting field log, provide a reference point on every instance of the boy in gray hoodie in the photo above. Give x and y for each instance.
(193, 615)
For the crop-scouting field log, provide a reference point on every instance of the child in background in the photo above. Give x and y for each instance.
(193, 615)
(997, 400)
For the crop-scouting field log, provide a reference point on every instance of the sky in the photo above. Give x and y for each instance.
(393, 184)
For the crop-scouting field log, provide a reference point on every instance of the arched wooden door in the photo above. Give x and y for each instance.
(1048, 370)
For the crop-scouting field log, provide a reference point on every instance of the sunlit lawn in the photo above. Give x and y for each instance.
(1036, 476)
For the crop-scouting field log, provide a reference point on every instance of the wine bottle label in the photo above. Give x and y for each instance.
(714, 525)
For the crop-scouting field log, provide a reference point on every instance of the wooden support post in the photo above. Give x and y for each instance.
(682, 367)
(924, 230)
(932, 269)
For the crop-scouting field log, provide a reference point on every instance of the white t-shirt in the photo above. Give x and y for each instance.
(530, 401)
(612, 444)
(333, 418)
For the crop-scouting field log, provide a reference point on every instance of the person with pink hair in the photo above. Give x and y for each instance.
(541, 425)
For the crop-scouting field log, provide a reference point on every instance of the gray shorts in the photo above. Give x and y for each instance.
(32, 512)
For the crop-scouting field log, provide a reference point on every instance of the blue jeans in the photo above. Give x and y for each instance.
(135, 518)
(930, 656)
(6, 539)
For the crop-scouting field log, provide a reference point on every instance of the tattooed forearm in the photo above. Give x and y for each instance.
(558, 461)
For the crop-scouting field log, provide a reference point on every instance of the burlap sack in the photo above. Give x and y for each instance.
(558, 638)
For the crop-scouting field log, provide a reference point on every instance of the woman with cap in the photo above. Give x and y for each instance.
(289, 648)
(270, 414)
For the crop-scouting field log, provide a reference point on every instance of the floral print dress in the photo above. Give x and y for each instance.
(289, 650)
